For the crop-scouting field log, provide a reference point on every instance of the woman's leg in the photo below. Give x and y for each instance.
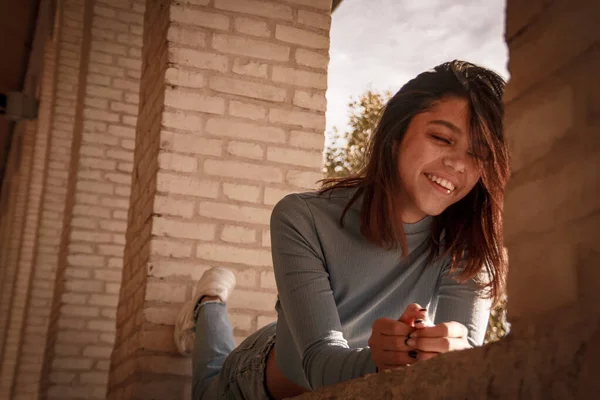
(214, 341)
(221, 371)
(203, 330)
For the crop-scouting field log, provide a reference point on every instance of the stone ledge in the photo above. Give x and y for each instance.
(545, 358)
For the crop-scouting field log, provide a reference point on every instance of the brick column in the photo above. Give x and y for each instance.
(96, 208)
(47, 270)
(231, 119)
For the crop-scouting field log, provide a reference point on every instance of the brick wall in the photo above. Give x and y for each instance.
(55, 215)
(100, 180)
(131, 300)
(19, 208)
(233, 105)
(17, 183)
(32, 340)
(30, 304)
(10, 187)
(32, 335)
(22, 239)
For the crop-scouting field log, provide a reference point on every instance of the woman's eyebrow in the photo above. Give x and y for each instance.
(448, 125)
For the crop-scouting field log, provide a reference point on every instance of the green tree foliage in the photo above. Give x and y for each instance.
(346, 155)
(497, 324)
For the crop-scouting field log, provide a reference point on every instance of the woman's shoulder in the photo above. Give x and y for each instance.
(304, 202)
(309, 216)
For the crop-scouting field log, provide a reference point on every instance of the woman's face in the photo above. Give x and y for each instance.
(436, 165)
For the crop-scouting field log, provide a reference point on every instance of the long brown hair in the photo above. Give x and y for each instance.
(469, 231)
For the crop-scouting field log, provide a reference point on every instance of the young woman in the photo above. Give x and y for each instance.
(394, 265)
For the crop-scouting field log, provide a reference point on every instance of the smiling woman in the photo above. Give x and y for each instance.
(444, 124)
(381, 269)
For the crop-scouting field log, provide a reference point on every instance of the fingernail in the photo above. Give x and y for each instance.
(412, 354)
(411, 343)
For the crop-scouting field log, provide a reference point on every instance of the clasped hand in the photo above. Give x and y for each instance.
(413, 338)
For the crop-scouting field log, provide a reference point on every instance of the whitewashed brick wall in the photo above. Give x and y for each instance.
(17, 179)
(27, 346)
(49, 273)
(10, 187)
(43, 173)
(23, 237)
(232, 119)
(101, 179)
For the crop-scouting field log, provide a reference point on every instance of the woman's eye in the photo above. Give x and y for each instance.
(441, 139)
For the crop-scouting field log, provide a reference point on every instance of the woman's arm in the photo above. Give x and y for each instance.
(307, 300)
(461, 302)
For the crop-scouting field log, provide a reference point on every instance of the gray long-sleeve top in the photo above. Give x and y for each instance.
(333, 284)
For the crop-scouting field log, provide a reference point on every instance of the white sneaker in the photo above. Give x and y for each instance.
(216, 281)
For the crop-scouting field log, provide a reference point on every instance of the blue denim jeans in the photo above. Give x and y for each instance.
(219, 369)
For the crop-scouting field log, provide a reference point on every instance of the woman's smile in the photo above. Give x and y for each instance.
(442, 184)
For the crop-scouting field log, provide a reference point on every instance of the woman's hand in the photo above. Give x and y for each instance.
(389, 337)
(430, 341)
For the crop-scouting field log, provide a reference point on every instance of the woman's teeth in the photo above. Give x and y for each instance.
(442, 182)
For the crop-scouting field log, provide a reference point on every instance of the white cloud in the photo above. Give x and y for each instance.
(380, 44)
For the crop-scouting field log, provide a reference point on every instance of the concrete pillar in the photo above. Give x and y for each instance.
(82, 329)
(232, 103)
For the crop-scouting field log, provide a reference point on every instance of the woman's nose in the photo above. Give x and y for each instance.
(456, 162)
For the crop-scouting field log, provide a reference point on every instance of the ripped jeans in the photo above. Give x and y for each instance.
(222, 371)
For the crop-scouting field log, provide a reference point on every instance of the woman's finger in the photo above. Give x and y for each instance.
(394, 343)
(396, 358)
(391, 327)
(451, 329)
(412, 313)
(424, 322)
(422, 355)
(438, 345)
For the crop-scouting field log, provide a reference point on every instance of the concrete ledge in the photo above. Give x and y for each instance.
(556, 356)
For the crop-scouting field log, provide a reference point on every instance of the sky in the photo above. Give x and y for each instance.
(381, 44)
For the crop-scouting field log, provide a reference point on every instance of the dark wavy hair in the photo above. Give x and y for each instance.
(470, 231)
